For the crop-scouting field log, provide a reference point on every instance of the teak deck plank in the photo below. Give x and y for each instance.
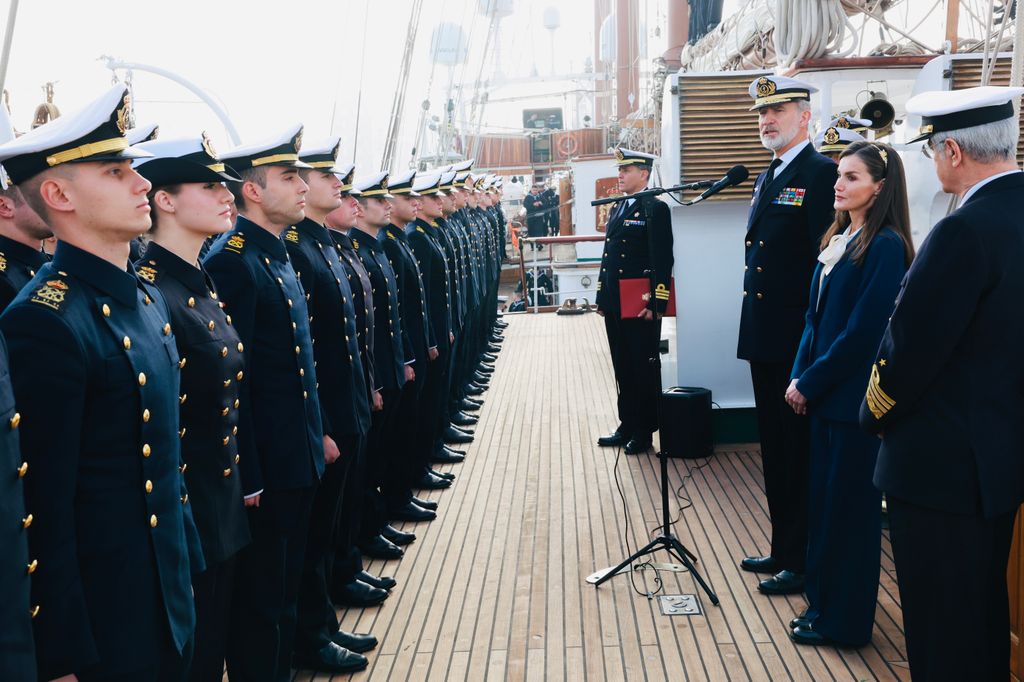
(494, 588)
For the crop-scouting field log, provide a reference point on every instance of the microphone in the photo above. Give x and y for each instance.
(734, 176)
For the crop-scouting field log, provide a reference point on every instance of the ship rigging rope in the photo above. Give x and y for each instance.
(806, 29)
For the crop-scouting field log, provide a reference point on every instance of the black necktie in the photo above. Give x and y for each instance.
(770, 173)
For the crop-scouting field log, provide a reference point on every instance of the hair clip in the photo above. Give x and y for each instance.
(882, 153)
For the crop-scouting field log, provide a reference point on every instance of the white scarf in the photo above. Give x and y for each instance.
(832, 254)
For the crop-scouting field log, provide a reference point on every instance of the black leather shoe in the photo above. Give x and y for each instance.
(358, 594)
(431, 482)
(381, 548)
(800, 622)
(492, 349)
(453, 451)
(381, 582)
(613, 439)
(481, 378)
(636, 446)
(466, 405)
(445, 457)
(802, 635)
(331, 658)
(460, 418)
(441, 474)
(783, 582)
(354, 641)
(760, 564)
(489, 357)
(396, 537)
(473, 389)
(426, 504)
(411, 512)
(453, 435)
(464, 429)
(484, 368)
(496, 339)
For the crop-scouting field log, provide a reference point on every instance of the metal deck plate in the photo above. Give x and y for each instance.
(679, 605)
(675, 568)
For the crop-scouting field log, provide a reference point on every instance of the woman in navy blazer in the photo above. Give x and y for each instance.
(864, 256)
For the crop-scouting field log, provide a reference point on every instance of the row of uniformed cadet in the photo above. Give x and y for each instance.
(205, 470)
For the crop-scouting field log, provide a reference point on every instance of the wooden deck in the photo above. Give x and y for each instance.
(494, 588)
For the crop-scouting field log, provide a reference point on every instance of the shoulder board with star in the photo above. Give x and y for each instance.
(291, 235)
(235, 243)
(52, 293)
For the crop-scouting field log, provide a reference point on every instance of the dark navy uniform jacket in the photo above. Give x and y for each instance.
(844, 327)
(362, 295)
(212, 370)
(456, 275)
(280, 436)
(433, 265)
(947, 387)
(17, 652)
(387, 336)
(18, 265)
(411, 294)
(344, 396)
(784, 229)
(95, 371)
(638, 240)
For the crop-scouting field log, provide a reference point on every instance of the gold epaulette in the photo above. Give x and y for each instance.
(51, 294)
(236, 243)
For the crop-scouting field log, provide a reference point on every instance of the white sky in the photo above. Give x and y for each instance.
(271, 63)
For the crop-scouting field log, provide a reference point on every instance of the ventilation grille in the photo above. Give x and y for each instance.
(967, 74)
(717, 131)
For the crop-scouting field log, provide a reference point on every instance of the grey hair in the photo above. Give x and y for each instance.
(803, 104)
(987, 143)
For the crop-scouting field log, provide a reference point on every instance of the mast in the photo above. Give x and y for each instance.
(952, 23)
(398, 105)
(12, 15)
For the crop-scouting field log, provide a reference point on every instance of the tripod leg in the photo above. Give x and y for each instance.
(643, 551)
(678, 547)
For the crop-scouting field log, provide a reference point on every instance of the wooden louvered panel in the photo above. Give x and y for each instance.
(967, 74)
(717, 130)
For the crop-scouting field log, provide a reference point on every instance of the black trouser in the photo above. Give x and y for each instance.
(213, 592)
(263, 610)
(315, 609)
(942, 559)
(785, 457)
(378, 452)
(634, 351)
(432, 411)
(398, 478)
(455, 387)
(348, 560)
(172, 666)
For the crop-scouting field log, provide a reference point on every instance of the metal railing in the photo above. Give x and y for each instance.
(556, 260)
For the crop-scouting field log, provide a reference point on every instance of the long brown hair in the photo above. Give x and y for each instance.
(891, 208)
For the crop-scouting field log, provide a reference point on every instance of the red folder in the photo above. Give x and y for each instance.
(635, 295)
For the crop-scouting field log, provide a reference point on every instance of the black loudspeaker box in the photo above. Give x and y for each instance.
(686, 422)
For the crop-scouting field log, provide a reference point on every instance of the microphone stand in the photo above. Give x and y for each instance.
(665, 540)
(703, 184)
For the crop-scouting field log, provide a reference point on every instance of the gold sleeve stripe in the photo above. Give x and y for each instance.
(879, 402)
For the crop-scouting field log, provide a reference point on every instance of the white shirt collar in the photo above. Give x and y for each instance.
(969, 193)
(789, 155)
